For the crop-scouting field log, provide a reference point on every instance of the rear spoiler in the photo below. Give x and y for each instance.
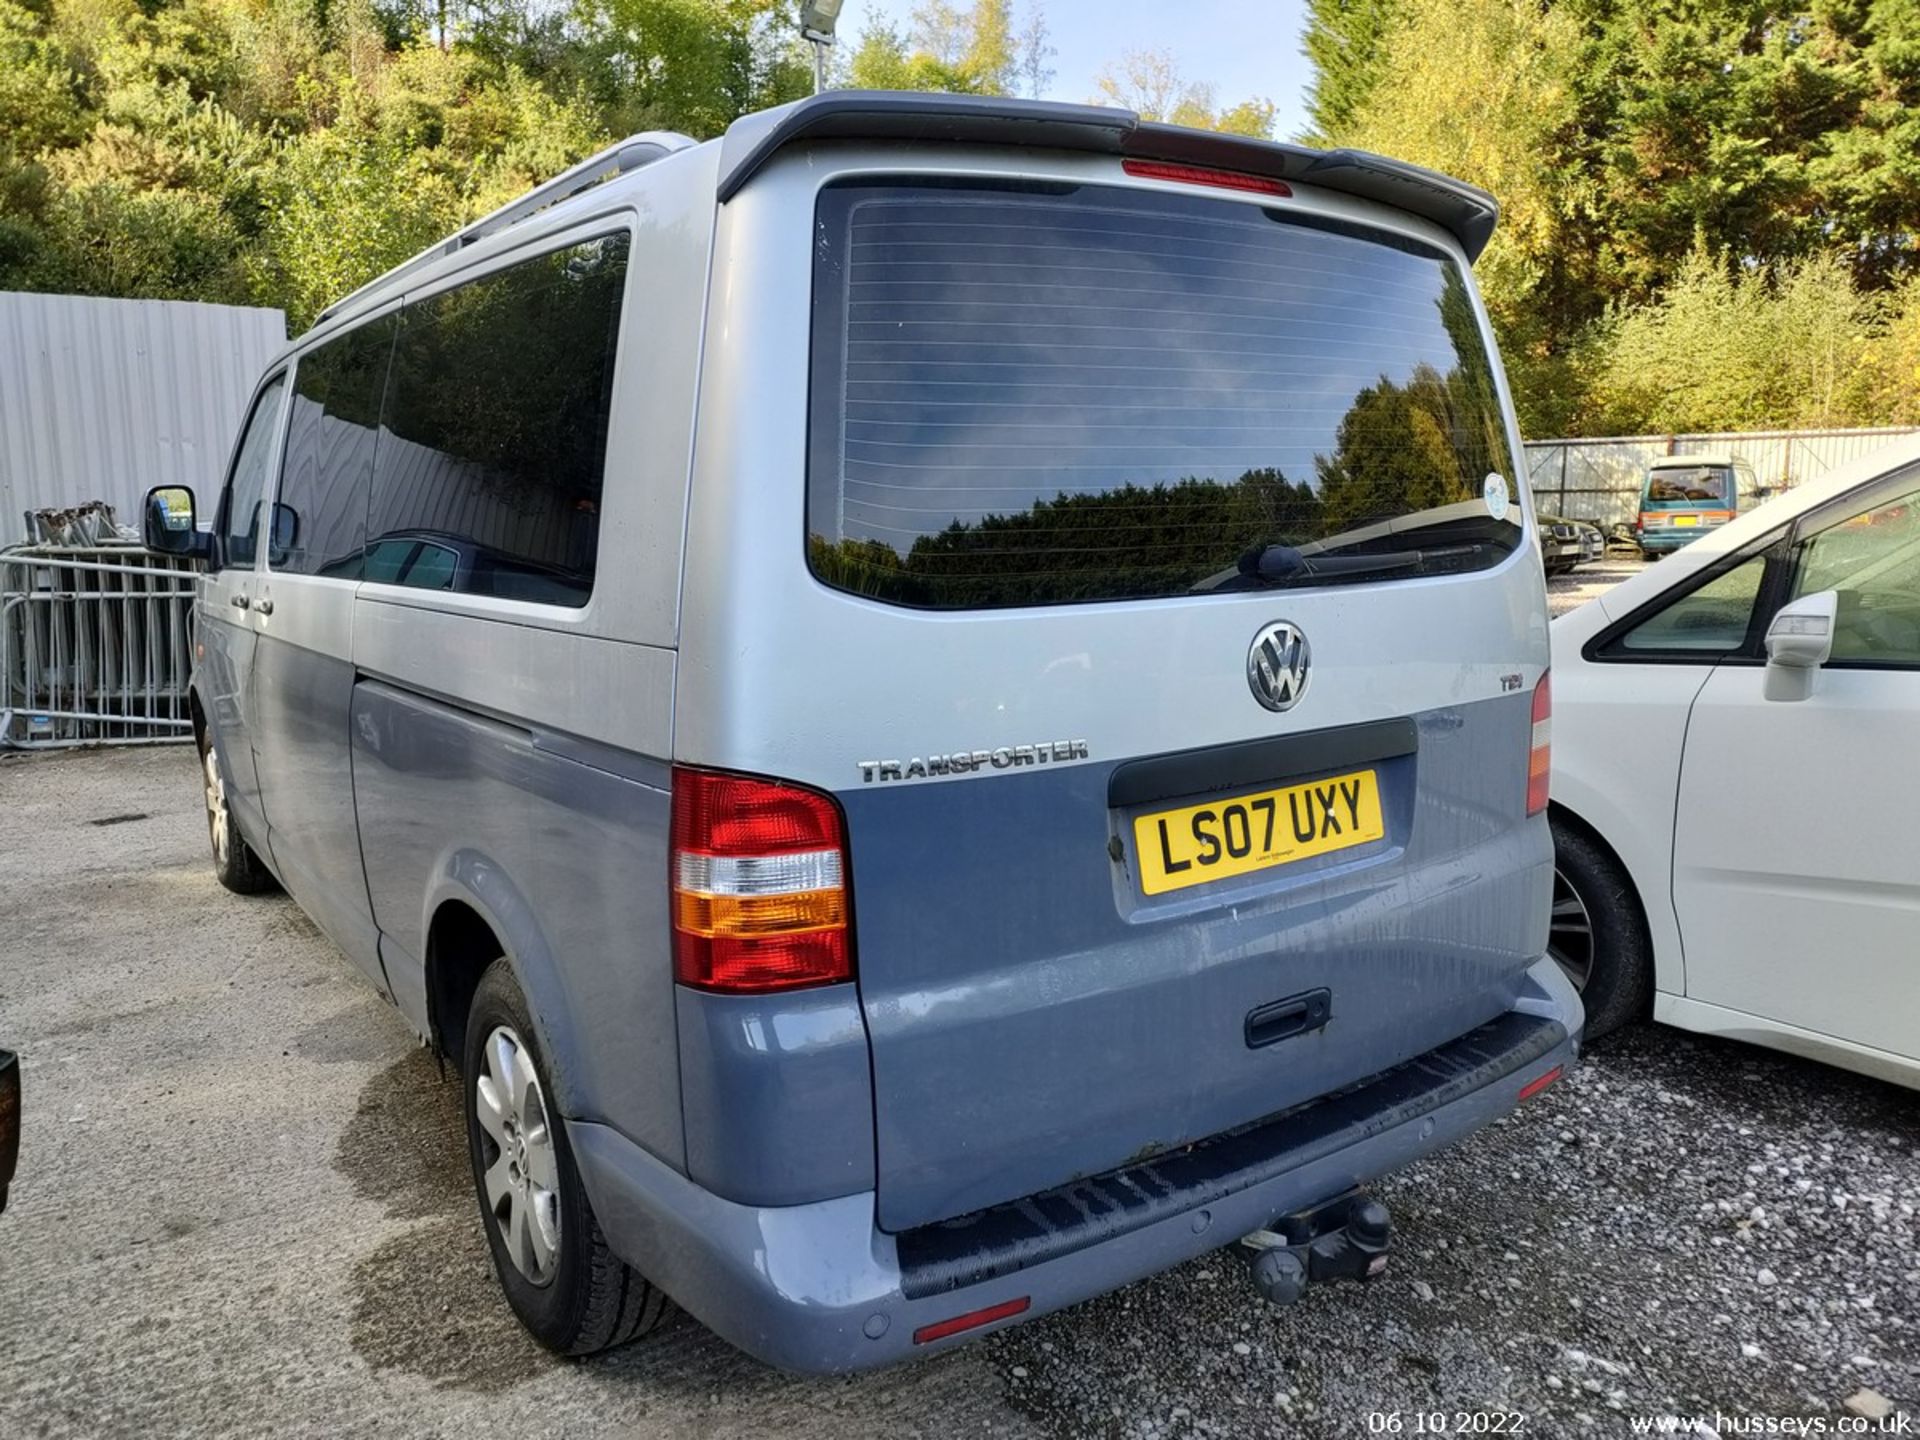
(1464, 211)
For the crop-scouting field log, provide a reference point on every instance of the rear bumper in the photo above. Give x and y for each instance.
(1665, 540)
(820, 1288)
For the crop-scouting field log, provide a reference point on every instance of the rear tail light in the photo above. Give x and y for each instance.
(1201, 175)
(759, 878)
(1540, 757)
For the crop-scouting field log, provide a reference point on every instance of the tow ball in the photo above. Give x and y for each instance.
(1344, 1239)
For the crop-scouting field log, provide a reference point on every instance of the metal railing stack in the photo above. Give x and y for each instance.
(96, 646)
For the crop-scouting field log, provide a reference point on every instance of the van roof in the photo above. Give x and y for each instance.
(750, 143)
(1722, 458)
(1465, 211)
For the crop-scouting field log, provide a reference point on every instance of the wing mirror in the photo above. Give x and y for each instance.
(168, 525)
(1799, 642)
(285, 535)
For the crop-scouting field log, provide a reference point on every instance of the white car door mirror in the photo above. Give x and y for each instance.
(1799, 642)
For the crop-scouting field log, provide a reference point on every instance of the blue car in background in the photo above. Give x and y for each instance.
(1686, 495)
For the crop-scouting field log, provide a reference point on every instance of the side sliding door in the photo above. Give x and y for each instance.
(304, 672)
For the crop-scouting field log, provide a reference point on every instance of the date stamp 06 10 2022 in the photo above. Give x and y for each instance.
(1446, 1422)
(1514, 1422)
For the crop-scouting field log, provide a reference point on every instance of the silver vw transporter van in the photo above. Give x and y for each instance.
(941, 703)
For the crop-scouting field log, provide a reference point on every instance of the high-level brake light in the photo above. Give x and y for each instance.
(1201, 175)
(759, 882)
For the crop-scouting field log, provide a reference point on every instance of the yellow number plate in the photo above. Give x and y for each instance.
(1252, 832)
(1686, 519)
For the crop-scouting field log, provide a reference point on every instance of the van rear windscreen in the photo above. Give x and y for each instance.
(1035, 395)
(1691, 485)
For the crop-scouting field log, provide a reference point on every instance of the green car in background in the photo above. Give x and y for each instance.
(1685, 495)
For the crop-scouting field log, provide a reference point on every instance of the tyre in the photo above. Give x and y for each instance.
(571, 1292)
(234, 863)
(1598, 933)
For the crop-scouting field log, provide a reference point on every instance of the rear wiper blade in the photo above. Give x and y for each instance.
(1278, 566)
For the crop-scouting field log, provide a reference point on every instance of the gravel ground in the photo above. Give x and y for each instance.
(1564, 592)
(1682, 1226)
(242, 1208)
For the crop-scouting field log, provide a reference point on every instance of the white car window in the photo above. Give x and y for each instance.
(1710, 621)
(1873, 560)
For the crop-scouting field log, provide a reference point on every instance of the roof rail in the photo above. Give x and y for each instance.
(630, 154)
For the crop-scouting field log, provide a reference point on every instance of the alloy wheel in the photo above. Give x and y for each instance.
(521, 1177)
(219, 827)
(1570, 932)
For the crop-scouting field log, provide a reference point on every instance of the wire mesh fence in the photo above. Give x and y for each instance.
(1599, 479)
(96, 646)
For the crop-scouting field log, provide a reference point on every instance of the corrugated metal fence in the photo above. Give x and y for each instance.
(1599, 479)
(102, 399)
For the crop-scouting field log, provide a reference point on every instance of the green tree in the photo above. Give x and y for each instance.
(690, 65)
(1485, 90)
(285, 151)
(1343, 40)
(1149, 83)
(1625, 138)
(1746, 349)
(974, 50)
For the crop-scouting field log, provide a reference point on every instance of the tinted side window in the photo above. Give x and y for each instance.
(497, 428)
(1873, 560)
(240, 508)
(320, 523)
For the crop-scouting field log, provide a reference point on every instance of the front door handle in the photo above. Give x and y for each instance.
(265, 607)
(239, 602)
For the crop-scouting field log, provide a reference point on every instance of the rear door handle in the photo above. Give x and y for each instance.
(239, 602)
(265, 607)
(1283, 1019)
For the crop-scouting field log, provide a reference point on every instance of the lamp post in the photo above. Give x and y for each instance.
(817, 19)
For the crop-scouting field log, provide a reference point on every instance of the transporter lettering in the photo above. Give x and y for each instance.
(966, 762)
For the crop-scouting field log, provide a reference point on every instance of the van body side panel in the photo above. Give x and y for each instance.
(600, 692)
(449, 795)
(223, 672)
(513, 754)
(302, 689)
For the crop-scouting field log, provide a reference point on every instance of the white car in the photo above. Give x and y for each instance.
(1736, 779)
